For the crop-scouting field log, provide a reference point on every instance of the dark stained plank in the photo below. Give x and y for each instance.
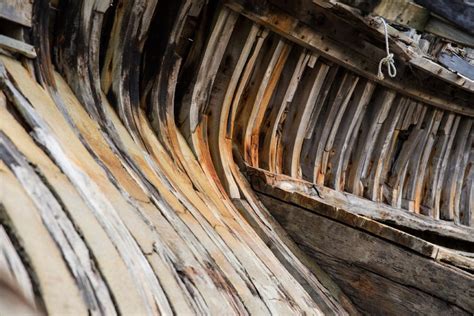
(450, 289)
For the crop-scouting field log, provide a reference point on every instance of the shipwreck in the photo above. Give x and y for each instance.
(236, 157)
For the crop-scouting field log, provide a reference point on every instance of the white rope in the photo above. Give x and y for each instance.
(387, 60)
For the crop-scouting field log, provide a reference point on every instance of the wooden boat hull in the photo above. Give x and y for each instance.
(209, 157)
(381, 268)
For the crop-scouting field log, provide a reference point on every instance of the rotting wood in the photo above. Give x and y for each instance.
(399, 267)
(18, 11)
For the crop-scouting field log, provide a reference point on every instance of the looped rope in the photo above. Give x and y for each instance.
(387, 60)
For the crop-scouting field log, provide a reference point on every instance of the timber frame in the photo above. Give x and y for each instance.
(231, 157)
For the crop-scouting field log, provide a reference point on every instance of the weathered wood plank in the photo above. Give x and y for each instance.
(79, 261)
(110, 264)
(457, 64)
(17, 46)
(387, 296)
(14, 273)
(53, 277)
(450, 288)
(18, 11)
(311, 196)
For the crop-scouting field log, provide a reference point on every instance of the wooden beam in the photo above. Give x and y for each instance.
(312, 196)
(18, 11)
(441, 28)
(446, 287)
(17, 46)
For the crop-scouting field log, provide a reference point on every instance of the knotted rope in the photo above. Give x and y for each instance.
(387, 60)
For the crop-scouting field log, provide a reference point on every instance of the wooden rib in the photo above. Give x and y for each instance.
(404, 151)
(272, 140)
(250, 99)
(420, 172)
(262, 100)
(296, 31)
(221, 149)
(299, 116)
(330, 120)
(448, 123)
(464, 158)
(418, 160)
(208, 68)
(466, 212)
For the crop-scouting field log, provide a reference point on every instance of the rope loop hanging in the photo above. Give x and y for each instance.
(387, 60)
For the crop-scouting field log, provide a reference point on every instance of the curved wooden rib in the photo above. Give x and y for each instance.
(127, 160)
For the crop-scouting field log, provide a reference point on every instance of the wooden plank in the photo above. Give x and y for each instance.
(110, 264)
(92, 287)
(459, 12)
(53, 277)
(14, 273)
(439, 27)
(373, 293)
(18, 11)
(60, 141)
(449, 287)
(403, 12)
